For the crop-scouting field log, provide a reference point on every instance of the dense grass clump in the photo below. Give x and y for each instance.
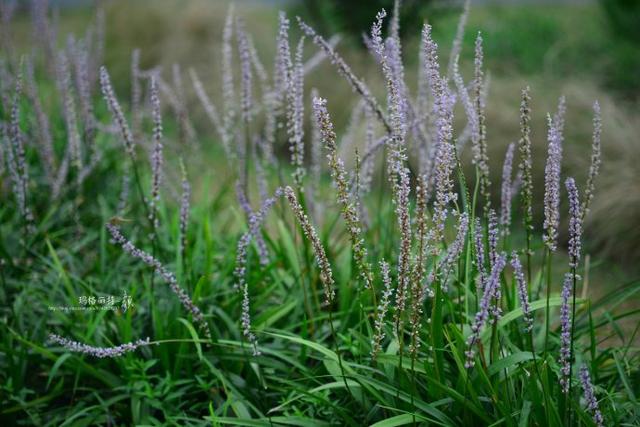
(156, 274)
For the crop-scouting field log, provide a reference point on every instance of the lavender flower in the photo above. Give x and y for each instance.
(246, 321)
(184, 208)
(523, 294)
(491, 290)
(575, 223)
(156, 156)
(430, 66)
(81, 61)
(69, 110)
(339, 175)
(479, 251)
(596, 159)
(419, 267)
(258, 66)
(590, 396)
(496, 290)
(367, 167)
(493, 232)
(211, 110)
(16, 157)
(228, 91)
(61, 175)
(45, 141)
(245, 67)
(136, 94)
(295, 115)
(469, 109)
(396, 143)
(255, 222)
(565, 333)
(383, 306)
(455, 249)
(558, 117)
(457, 41)
(116, 111)
(316, 150)
(101, 352)
(248, 210)
(481, 158)
(444, 150)
(507, 190)
(160, 270)
(524, 145)
(283, 64)
(326, 275)
(358, 85)
(404, 256)
(552, 186)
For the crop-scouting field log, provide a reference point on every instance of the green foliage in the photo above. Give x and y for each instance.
(624, 17)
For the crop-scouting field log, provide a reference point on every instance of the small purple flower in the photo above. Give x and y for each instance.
(245, 72)
(246, 321)
(383, 306)
(326, 275)
(116, 111)
(228, 90)
(479, 251)
(493, 234)
(455, 249)
(507, 190)
(482, 316)
(575, 223)
(255, 222)
(523, 294)
(100, 352)
(156, 156)
(404, 255)
(590, 396)
(596, 159)
(263, 252)
(160, 270)
(295, 115)
(552, 186)
(185, 207)
(565, 333)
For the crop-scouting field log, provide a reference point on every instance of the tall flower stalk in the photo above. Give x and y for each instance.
(295, 115)
(255, 222)
(99, 352)
(524, 146)
(348, 208)
(596, 160)
(590, 396)
(575, 243)
(161, 271)
(507, 190)
(156, 157)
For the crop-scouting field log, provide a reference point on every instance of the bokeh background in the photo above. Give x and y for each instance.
(584, 49)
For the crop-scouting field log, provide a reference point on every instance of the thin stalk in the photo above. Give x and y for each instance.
(573, 330)
(548, 308)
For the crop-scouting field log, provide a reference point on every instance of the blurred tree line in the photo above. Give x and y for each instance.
(616, 62)
(624, 22)
(355, 17)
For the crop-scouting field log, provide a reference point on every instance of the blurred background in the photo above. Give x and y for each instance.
(586, 50)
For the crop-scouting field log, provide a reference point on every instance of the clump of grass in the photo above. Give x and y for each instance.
(468, 340)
